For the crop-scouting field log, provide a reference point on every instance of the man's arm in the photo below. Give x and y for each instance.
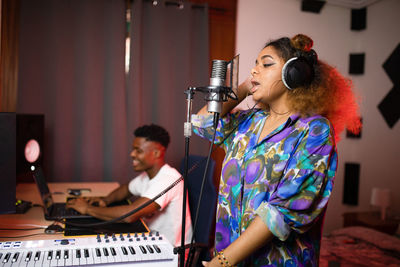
(109, 213)
(119, 194)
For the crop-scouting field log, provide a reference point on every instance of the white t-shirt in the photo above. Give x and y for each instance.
(168, 219)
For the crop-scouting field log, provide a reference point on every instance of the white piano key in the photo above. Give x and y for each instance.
(67, 257)
(133, 256)
(48, 255)
(97, 256)
(89, 257)
(39, 257)
(21, 261)
(123, 251)
(7, 261)
(75, 259)
(17, 261)
(115, 254)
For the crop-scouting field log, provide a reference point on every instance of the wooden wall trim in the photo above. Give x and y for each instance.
(9, 55)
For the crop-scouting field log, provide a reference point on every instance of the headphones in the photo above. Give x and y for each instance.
(298, 71)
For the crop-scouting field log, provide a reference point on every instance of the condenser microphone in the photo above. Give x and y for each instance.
(217, 91)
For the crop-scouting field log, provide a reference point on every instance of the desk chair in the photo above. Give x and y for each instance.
(206, 217)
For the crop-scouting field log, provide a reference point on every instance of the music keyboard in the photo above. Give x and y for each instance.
(142, 249)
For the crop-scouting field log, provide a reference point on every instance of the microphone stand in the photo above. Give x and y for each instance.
(187, 132)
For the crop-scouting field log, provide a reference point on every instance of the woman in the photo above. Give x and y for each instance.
(280, 162)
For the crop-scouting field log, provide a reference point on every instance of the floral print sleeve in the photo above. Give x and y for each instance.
(304, 190)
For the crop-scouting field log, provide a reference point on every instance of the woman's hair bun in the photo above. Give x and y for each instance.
(302, 42)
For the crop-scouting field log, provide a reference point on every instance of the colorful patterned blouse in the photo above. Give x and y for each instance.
(286, 179)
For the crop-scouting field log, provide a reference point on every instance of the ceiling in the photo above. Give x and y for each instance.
(355, 4)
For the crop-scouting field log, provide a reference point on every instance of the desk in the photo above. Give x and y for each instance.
(142, 250)
(34, 217)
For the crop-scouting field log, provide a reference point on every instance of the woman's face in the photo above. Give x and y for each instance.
(267, 76)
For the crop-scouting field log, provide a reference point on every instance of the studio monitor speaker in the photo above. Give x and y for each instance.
(7, 162)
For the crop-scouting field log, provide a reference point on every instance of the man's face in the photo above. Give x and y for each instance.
(144, 154)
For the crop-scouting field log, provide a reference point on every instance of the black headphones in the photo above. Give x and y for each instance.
(299, 71)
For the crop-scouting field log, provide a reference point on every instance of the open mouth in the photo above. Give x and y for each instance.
(255, 85)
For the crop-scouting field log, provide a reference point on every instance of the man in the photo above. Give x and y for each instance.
(163, 214)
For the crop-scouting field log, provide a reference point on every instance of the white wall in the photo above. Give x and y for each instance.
(377, 151)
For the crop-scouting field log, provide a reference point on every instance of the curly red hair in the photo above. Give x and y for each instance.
(330, 94)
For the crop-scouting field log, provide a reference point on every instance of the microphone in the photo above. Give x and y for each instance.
(217, 91)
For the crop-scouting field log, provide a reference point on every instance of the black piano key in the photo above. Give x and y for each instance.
(66, 254)
(50, 255)
(37, 255)
(86, 253)
(58, 254)
(143, 249)
(124, 250)
(28, 256)
(157, 248)
(15, 257)
(132, 250)
(98, 252)
(7, 257)
(150, 249)
(105, 252)
(78, 253)
(113, 251)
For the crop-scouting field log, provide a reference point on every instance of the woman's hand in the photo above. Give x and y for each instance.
(213, 263)
(246, 86)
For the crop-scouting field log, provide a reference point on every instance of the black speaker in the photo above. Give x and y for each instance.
(359, 19)
(297, 72)
(356, 63)
(351, 183)
(7, 162)
(29, 126)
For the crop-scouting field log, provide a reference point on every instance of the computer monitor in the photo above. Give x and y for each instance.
(7, 162)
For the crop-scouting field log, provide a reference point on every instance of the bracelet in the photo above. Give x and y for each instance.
(223, 260)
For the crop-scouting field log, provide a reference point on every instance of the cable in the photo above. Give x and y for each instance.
(21, 236)
(20, 229)
(34, 225)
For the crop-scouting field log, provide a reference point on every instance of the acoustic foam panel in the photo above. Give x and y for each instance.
(351, 183)
(312, 6)
(389, 106)
(356, 63)
(359, 19)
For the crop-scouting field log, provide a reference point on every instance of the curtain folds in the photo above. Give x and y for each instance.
(170, 52)
(71, 68)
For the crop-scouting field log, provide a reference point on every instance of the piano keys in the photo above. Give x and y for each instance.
(144, 249)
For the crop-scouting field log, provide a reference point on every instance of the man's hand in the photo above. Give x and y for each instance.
(78, 204)
(96, 201)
